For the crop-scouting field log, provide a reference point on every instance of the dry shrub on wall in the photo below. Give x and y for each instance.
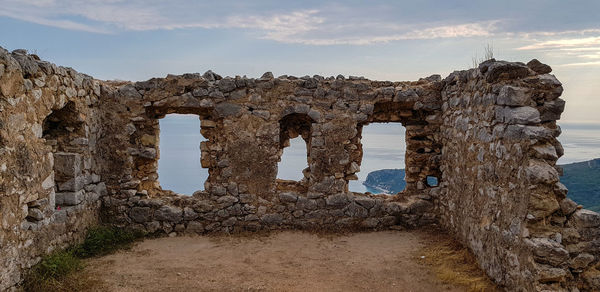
(488, 53)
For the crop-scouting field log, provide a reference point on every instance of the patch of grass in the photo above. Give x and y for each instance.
(59, 270)
(49, 274)
(454, 264)
(103, 240)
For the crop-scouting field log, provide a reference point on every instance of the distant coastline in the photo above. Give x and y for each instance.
(581, 178)
(388, 181)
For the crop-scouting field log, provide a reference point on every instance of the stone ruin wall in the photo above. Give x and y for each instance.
(48, 132)
(500, 189)
(488, 134)
(247, 123)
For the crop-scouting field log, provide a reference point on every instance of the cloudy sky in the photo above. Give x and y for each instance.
(388, 40)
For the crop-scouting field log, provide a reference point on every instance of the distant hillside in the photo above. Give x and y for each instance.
(389, 181)
(583, 181)
(581, 178)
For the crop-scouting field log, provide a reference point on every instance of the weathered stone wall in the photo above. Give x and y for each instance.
(247, 123)
(500, 189)
(49, 186)
(77, 150)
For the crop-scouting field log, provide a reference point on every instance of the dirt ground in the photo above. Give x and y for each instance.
(281, 261)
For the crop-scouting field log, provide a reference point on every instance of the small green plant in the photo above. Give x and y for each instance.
(54, 272)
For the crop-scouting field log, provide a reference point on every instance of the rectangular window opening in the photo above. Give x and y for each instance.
(179, 167)
(382, 165)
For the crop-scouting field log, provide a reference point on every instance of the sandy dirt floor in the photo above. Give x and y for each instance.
(281, 261)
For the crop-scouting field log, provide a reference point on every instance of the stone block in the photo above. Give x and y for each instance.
(169, 214)
(369, 223)
(272, 219)
(194, 227)
(524, 115)
(226, 201)
(586, 219)
(148, 140)
(496, 70)
(547, 251)
(547, 274)
(581, 261)
(552, 110)
(59, 216)
(337, 200)
(229, 222)
(538, 171)
(539, 67)
(591, 278)
(67, 166)
(542, 205)
(152, 227)
(225, 109)
(226, 84)
(567, 206)
(140, 214)
(513, 96)
(247, 198)
(288, 197)
(74, 184)
(521, 132)
(35, 214)
(355, 210)
(69, 198)
(189, 214)
(545, 151)
(366, 202)
(48, 182)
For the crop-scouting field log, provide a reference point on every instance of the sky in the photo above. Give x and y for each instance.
(384, 40)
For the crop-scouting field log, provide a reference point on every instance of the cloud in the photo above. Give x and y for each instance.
(279, 27)
(373, 33)
(579, 48)
(64, 24)
(582, 64)
(575, 43)
(305, 26)
(319, 24)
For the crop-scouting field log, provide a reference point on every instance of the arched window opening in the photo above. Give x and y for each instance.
(293, 161)
(294, 142)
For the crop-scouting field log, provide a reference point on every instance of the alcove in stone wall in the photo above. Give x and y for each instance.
(65, 132)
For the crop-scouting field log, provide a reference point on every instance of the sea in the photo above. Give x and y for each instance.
(384, 147)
